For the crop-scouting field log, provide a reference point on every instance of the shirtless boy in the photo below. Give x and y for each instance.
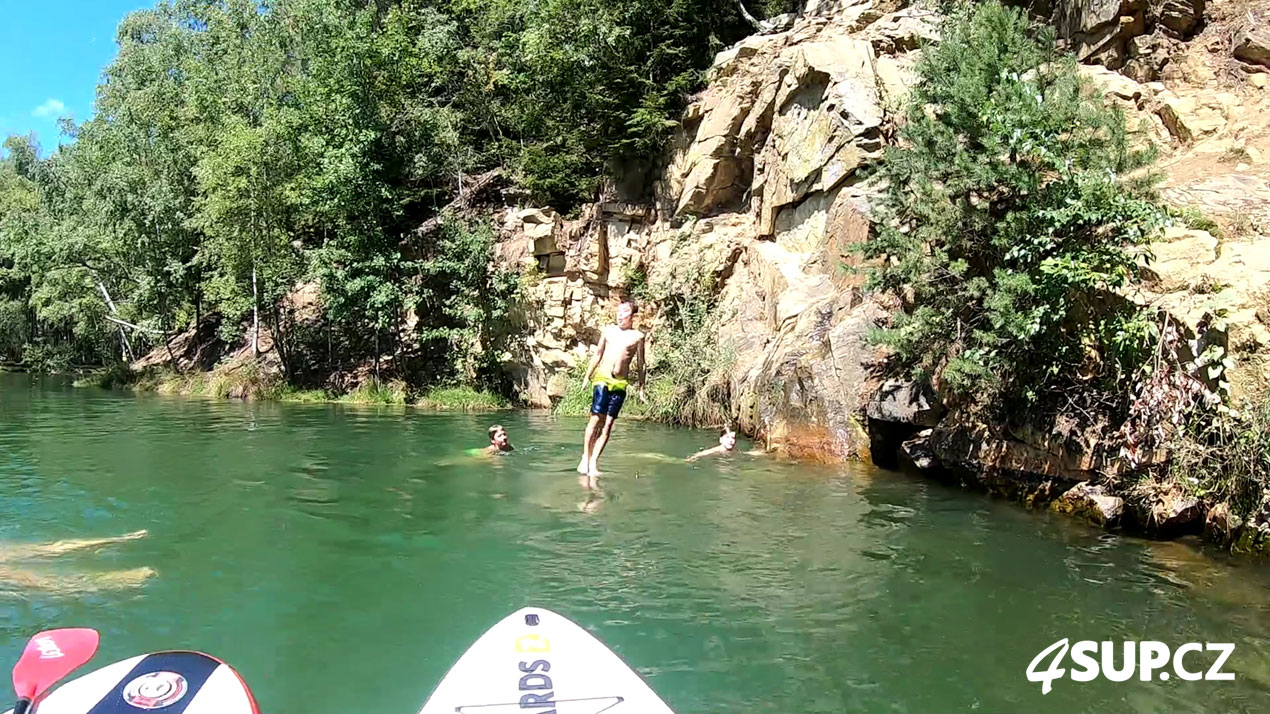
(620, 346)
(727, 442)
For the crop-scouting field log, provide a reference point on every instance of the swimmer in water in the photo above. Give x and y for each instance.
(25, 551)
(14, 579)
(727, 444)
(498, 441)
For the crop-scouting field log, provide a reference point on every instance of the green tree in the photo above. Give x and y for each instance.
(1013, 206)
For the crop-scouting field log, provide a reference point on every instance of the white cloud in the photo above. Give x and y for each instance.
(50, 108)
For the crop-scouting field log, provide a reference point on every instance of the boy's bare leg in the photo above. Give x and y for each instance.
(600, 443)
(35, 550)
(75, 583)
(588, 442)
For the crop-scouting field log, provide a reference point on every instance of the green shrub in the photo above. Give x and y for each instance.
(46, 358)
(1194, 219)
(116, 376)
(1012, 207)
(689, 371)
(1225, 456)
(577, 397)
(304, 396)
(394, 392)
(461, 398)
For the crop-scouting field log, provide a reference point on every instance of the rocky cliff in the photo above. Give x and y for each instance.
(763, 194)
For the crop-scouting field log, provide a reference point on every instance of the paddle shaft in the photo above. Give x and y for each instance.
(23, 706)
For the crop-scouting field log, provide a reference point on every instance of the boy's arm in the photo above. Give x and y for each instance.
(643, 371)
(595, 361)
(706, 452)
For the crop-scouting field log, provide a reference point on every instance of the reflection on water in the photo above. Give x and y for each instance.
(297, 540)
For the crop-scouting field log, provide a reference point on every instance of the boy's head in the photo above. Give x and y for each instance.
(498, 436)
(626, 311)
(727, 438)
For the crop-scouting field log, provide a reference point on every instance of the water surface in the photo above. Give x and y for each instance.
(341, 558)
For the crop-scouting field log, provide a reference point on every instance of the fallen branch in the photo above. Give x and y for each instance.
(123, 336)
(138, 328)
(476, 186)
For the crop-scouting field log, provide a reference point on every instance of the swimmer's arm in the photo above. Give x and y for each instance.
(699, 454)
(595, 361)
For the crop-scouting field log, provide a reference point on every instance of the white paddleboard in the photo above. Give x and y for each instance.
(163, 682)
(537, 662)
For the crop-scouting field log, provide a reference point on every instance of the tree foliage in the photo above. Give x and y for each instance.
(1014, 206)
(239, 148)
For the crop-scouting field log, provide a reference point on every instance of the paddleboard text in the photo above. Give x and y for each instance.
(535, 680)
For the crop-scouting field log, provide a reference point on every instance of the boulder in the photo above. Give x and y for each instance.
(1189, 118)
(557, 386)
(903, 31)
(713, 174)
(1254, 46)
(1084, 18)
(1173, 513)
(1001, 465)
(895, 76)
(1115, 84)
(1090, 502)
(1106, 48)
(905, 402)
(1221, 526)
(919, 452)
(1223, 194)
(1181, 17)
(1180, 259)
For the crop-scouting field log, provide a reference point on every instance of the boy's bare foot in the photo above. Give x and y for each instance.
(582, 467)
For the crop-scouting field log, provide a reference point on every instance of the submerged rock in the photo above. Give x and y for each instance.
(1175, 513)
(1222, 527)
(1092, 503)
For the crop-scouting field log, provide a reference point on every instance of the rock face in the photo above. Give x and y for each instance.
(763, 195)
(906, 403)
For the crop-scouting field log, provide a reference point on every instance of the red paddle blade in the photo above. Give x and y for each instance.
(51, 655)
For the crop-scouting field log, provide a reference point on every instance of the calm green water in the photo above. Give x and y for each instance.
(327, 554)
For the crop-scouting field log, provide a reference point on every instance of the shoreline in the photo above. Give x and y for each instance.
(1100, 506)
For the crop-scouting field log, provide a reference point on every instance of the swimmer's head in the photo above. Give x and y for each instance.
(626, 311)
(727, 439)
(498, 436)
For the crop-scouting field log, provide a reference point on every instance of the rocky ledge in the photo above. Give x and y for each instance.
(762, 196)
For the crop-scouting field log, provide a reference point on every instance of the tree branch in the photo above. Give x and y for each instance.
(749, 18)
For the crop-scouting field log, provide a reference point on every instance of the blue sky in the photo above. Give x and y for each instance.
(52, 53)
